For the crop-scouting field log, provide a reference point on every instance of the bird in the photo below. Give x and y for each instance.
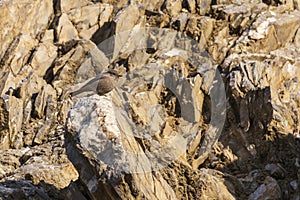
(100, 85)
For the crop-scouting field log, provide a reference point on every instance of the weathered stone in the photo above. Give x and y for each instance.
(240, 18)
(67, 6)
(173, 7)
(154, 5)
(44, 57)
(275, 170)
(15, 121)
(123, 27)
(159, 121)
(28, 162)
(20, 190)
(66, 30)
(157, 19)
(45, 107)
(23, 41)
(268, 190)
(203, 6)
(213, 179)
(97, 62)
(294, 184)
(200, 29)
(42, 99)
(4, 125)
(257, 77)
(271, 32)
(34, 13)
(181, 21)
(87, 19)
(113, 166)
(296, 4)
(191, 6)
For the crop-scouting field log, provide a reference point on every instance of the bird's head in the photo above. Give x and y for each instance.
(114, 73)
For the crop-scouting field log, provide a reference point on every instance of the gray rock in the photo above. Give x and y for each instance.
(268, 190)
(164, 118)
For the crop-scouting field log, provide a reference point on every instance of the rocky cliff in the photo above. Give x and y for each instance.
(207, 105)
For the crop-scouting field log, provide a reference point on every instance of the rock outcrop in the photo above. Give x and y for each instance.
(207, 106)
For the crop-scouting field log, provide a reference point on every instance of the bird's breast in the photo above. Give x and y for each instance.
(105, 85)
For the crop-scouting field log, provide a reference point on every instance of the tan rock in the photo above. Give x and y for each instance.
(192, 5)
(66, 30)
(157, 120)
(21, 56)
(15, 121)
(200, 28)
(203, 6)
(87, 19)
(123, 27)
(23, 17)
(39, 168)
(173, 7)
(154, 5)
(67, 6)
(43, 58)
(4, 126)
(296, 4)
(271, 32)
(214, 185)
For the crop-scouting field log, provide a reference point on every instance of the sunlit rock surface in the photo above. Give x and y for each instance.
(167, 131)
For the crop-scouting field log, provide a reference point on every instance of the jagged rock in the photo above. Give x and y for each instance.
(181, 21)
(270, 32)
(67, 6)
(225, 34)
(15, 121)
(294, 185)
(45, 104)
(157, 19)
(262, 74)
(275, 170)
(200, 28)
(296, 4)
(154, 5)
(88, 18)
(191, 5)
(124, 26)
(66, 29)
(203, 6)
(27, 163)
(21, 190)
(173, 7)
(44, 56)
(268, 190)
(215, 185)
(123, 130)
(113, 166)
(37, 14)
(24, 189)
(4, 125)
(42, 99)
(97, 62)
(160, 119)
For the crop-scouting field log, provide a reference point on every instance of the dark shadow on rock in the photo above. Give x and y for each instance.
(106, 31)
(94, 183)
(276, 158)
(25, 189)
(250, 157)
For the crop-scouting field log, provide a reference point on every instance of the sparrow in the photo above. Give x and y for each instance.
(101, 84)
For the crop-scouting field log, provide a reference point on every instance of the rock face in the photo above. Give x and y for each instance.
(207, 106)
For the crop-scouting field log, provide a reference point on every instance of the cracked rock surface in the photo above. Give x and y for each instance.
(207, 105)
